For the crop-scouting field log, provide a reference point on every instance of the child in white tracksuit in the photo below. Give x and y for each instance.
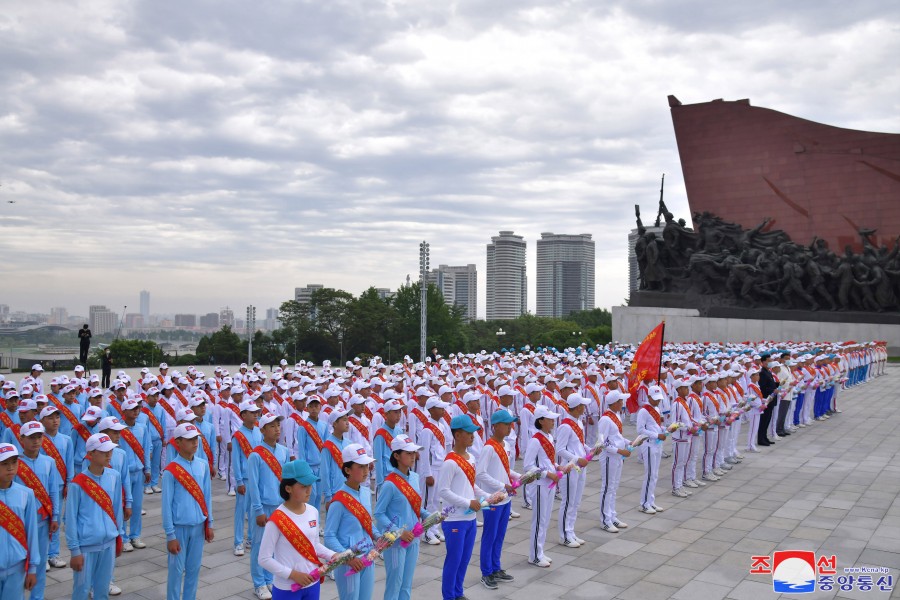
(541, 454)
(615, 451)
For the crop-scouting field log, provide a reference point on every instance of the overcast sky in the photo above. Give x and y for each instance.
(218, 152)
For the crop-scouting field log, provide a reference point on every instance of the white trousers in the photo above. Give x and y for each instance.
(753, 430)
(711, 440)
(611, 467)
(571, 488)
(682, 452)
(696, 443)
(540, 518)
(652, 453)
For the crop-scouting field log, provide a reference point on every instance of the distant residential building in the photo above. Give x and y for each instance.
(385, 293)
(4, 313)
(185, 320)
(272, 322)
(459, 286)
(166, 323)
(58, 316)
(101, 320)
(209, 321)
(226, 317)
(565, 274)
(507, 285)
(134, 321)
(145, 304)
(303, 295)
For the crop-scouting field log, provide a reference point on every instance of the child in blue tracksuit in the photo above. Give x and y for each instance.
(51, 419)
(330, 467)
(46, 489)
(381, 446)
(17, 502)
(245, 439)
(309, 447)
(186, 522)
(94, 520)
(399, 504)
(134, 440)
(262, 488)
(155, 416)
(344, 530)
(204, 424)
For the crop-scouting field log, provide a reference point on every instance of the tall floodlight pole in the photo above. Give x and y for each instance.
(424, 253)
(251, 325)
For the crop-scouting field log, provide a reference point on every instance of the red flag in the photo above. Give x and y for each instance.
(647, 360)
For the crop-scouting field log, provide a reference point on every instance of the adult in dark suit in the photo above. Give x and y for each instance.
(767, 385)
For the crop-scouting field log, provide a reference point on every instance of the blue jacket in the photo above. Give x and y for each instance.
(22, 502)
(64, 445)
(45, 469)
(178, 506)
(381, 452)
(262, 485)
(306, 448)
(331, 474)
(238, 460)
(141, 432)
(342, 529)
(88, 527)
(392, 506)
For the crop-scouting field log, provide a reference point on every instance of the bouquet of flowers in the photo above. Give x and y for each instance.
(338, 560)
(494, 498)
(385, 541)
(529, 477)
(430, 521)
(674, 427)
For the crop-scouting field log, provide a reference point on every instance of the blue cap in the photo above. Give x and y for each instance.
(502, 416)
(299, 470)
(463, 422)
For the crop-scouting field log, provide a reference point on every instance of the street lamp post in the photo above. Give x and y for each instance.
(424, 256)
(389, 352)
(500, 334)
(251, 325)
(341, 341)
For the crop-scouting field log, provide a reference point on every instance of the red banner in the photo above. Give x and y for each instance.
(647, 361)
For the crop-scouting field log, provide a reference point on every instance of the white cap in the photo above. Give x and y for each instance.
(533, 387)
(153, 392)
(47, 411)
(445, 389)
(7, 451)
(574, 401)
(37, 367)
(99, 441)
(565, 383)
(505, 390)
(248, 405)
(435, 402)
(541, 412)
(41, 399)
(656, 393)
(298, 396)
(110, 423)
(356, 399)
(163, 366)
(196, 401)
(130, 403)
(187, 431)
(92, 413)
(27, 404)
(337, 413)
(266, 419)
(96, 393)
(185, 414)
(402, 442)
(614, 396)
(392, 405)
(357, 454)
(31, 428)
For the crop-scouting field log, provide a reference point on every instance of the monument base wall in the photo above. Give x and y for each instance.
(631, 324)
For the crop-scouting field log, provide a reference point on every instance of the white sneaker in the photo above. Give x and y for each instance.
(239, 550)
(719, 473)
(547, 558)
(620, 524)
(432, 540)
(526, 506)
(542, 563)
(739, 456)
(690, 484)
(127, 547)
(138, 543)
(231, 492)
(754, 450)
(157, 489)
(658, 508)
(478, 523)
(610, 528)
(699, 483)
(47, 567)
(148, 490)
(143, 512)
(679, 493)
(570, 543)
(514, 515)
(580, 541)
(263, 593)
(710, 477)
(114, 590)
(440, 536)
(56, 562)
(248, 543)
(648, 511)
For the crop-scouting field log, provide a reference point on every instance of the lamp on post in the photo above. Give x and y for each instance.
(389, 351)
(424, 259)
(251, 325)
(500, 334)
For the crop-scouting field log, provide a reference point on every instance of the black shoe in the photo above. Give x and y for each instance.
(502, 575)
(488, 582)
(763, 443)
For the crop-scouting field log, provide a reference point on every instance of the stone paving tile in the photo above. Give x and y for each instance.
(778, 499)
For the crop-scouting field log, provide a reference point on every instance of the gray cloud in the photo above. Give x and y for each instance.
(224, 152)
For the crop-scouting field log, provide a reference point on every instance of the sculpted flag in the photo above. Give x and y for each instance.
(647, 359)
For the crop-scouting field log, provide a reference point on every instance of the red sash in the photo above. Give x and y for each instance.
(311, 432)
(192, 487)
(436, 432)
(654, 414)
(550, 396)
(501, 452)
(387, 437)
(355, 508)
(134, 444)
(52, 451)
(362, 429)
(368, 412)
(153, 421)
(549, 450)
(684, 405)
(15, 527)
(31, 480)
(575, 428)
(266, 455)
(420, 416)
(755, 389)
(713, 398)
(529, 407)
(615, 419)
(466, 467)
(168, 408)
(116, 404)
(180, 397)
(462, 407)
(209, 454)
(99, 495)
(161, 379)
(243, 443)
(67, 413)
(415, 500)
(7, 421)
(335, 452)
(593, 392)
(295, 537)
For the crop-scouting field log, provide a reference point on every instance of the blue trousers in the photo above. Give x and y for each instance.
(241, 512)
(134, 525)
(496, 519)
(12, 582)
(460, 536)
(96, 574)
(310, 593)
(43, 533)
(798, 406)
(184, 567)
(399, 568)
(315, 495)
(53, 549)
(155, 458)
(259, 575)
(355, 587)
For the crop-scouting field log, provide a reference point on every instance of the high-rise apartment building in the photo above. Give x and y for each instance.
(145, 304)
(209, 320)
(507, 286)
(459, 286)
(226, 317)
(58, 316)
(302, 295)
(101, 320)
(565, 274)
(185, 320)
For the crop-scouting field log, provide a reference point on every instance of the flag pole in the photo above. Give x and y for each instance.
(662, 337)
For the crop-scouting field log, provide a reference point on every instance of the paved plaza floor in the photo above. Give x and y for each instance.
(831, 488)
